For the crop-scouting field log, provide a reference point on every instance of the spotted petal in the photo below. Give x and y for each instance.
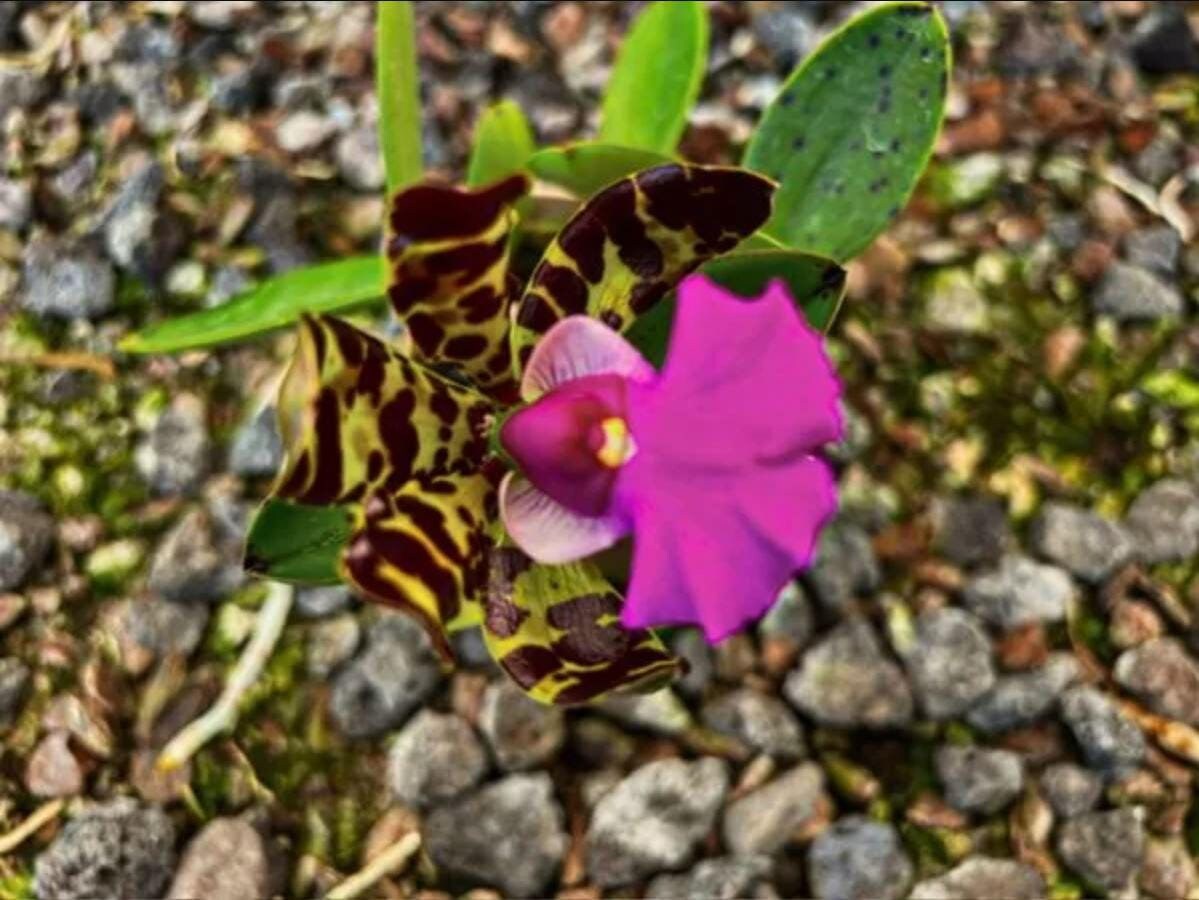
(631, 243)
(555, 630)
(447, 251)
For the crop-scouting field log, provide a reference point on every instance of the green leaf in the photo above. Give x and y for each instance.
(503, 144)
(853, 128)
(816, 283)
(588, 167)
(657, 77)
(397, 83)
(276, 302)
(297, 543)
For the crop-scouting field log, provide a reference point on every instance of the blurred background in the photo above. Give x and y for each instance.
(988, 685)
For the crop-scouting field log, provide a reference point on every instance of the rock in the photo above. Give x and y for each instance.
(1106, 849)
(326, 600)
(20, 88)
(26, 532)
(758, 720)
(791, 618)
(845, 680)
(858, 858)
(303, 131)
(435, 758)
(138, 235)
(1130, 294)
(1164, 522)
(359, 160)
(330, 643)
(1109, 741)
(787, 32)
(970, 530)
(1154, 249)
(845, 566)
(382, 686)
(1164, 676)
(193, 564)
(174, 457)
(52, 769)
(980, 876)
(257, 450)
(977, 779)
(954, 304)
(116, 849)
(508, 835)
(1019, 591)
(1169, 871)
(1071, 790)
(654, 819)
(1021, 698)
(964, 182)
(522, 733)
(274, 227)
(228, 860)
(722, 878)
(950, 662)
(16, 204)
(66, 281)
(162, 628)
(1164, 43)
(14, 681)
(661, 712)
(689, 645)
(767, 818)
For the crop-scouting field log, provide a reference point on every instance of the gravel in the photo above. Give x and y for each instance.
(1081, 542)
(979, 780)
(387, 681)
(319, 602)
(1164, 522)
(257, 449)
(1155, 249)
(857, 858)
(845, 566)
(1024, 697)
(521, 733)
(971, 530)
(722, 878)
(1106, 849)
(1109, 741)
(654, 820)
(52, 769)
(758, 720)
(14, 682)
(116, 849)
(331, 642)
(195, 562)
(174, 457)
(227, 860)
(766, 819)
(139, 235)
(950, 662)
(846, 680)
(1131, 294)
(508, 834)
(1070, 789)
(1164, 675)
(983, 877)
(435, 758)
(66, 281)
(1019, 591)
(26, 532)
(16, 204)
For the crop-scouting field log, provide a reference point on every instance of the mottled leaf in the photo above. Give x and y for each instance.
(448, 256)
(397, 83)
(274, 303)
(503, 144)
(297, 543)
(853, 128)
(586, 168)
(556, 631)
(629, 245)
(817, 284)
(657, 77)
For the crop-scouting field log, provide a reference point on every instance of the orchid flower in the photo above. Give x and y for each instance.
(709, 465)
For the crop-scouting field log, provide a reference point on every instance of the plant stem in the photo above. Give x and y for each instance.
(39, 817)
(381, 866)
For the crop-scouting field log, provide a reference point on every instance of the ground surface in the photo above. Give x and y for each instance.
(989, 684)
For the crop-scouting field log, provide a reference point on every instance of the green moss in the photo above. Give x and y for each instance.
(17, 885)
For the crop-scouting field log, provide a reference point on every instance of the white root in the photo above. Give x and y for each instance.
(386, 863)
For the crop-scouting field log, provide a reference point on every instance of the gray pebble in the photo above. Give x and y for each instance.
(522, 733)
(435, 758)
(950, 662)
(139, 236)
(1110, 742)
(1106, 849)
(977, 779)
(174, 457)
(846, 680)
(1021, 698)
(689, 644)
(331, 642)
(359, 160)
(117, 849)
(14, 681)
(1155, 249)
(164, 629)
(1164, 521)
(66, 281)
(1131, 294)
(227, 860)
(26, 532)
(761, 721)
(1164, 675)
(257, 450)
(194, 564)
(791, 618)
(508, 835)
(1070, 789)
(970, 530)
(767, 818)
(324, 600)
(1019, 591)
(722, 878)
(16, 204)
(1086, 544)
(844, 566)
(857, 858)
(654, 819)
(386, 682)
(983, 877)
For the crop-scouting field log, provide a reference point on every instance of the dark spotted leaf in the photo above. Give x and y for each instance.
(274, 303)
(556, 631)
(657, 77)
(587, 168)
(298, 543)
(853, 128)
(503, 144)
(816, 283)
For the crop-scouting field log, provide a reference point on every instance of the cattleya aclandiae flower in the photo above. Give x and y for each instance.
(708, 465)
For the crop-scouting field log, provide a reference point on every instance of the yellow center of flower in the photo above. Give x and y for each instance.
(617, 447)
